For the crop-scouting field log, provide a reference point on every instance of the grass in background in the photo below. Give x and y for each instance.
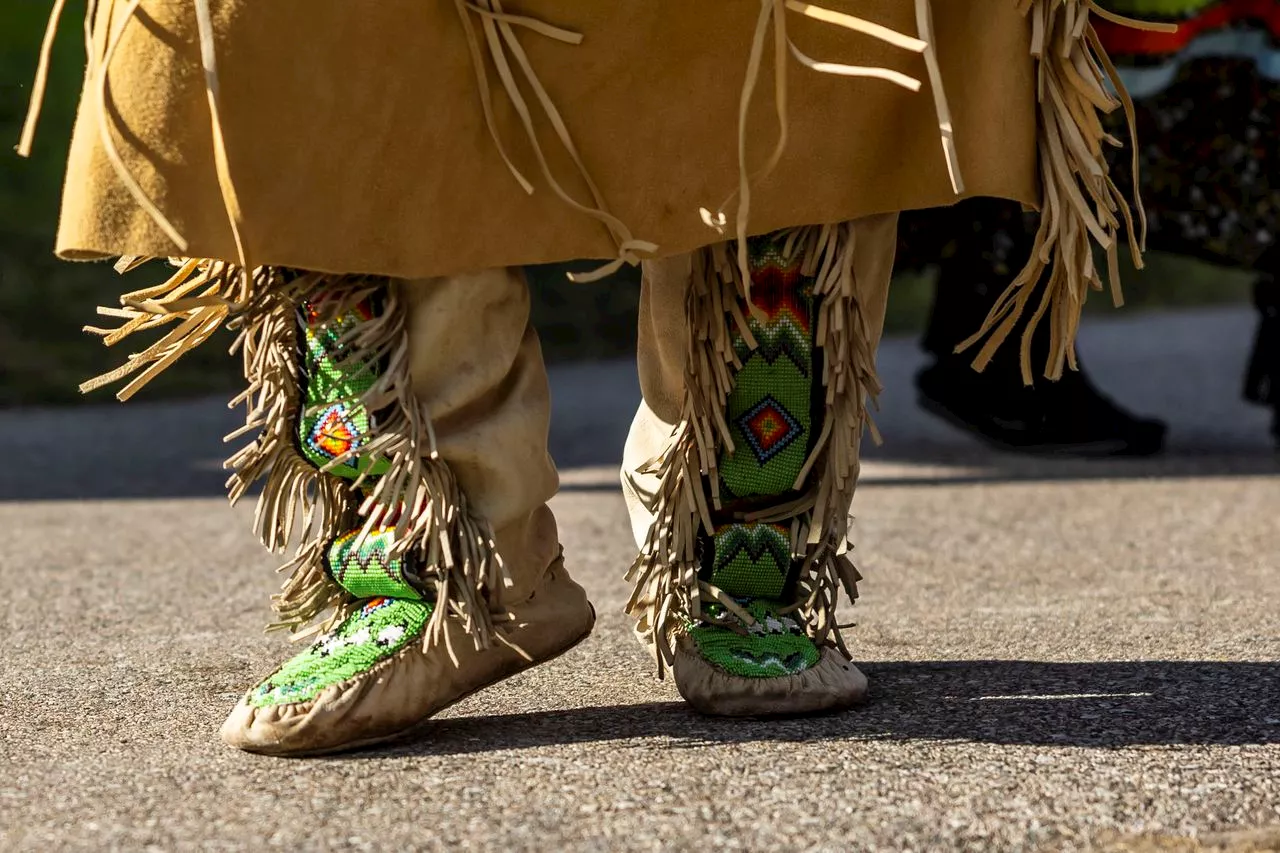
(44, 302)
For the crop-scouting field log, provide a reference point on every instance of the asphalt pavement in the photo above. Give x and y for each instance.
(1064, 655)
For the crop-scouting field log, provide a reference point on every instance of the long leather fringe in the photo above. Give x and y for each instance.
(1081, 206)
(773, 17)
(666, 588)
(665, 574)
(416, 494)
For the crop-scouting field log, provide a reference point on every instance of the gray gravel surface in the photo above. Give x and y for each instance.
(1064, 655)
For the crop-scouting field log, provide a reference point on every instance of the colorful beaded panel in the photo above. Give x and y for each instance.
(363, 568)
(335, 422)
(375, 632)
(772, 412)
(774, 646)
(770, 409)
(751, 560)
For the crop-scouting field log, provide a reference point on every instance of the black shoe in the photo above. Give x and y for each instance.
(1069, 417)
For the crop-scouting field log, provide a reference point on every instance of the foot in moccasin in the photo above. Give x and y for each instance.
(749, 652)
(743, 557)
(758, 661)
(375, 679)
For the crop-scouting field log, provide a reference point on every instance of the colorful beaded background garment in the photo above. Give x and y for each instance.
(334, 422)
(370, 635)
(771, 414)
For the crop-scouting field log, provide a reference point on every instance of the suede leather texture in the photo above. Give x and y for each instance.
(357, 143)
(476, 362)
(405, 690)
(832, 684)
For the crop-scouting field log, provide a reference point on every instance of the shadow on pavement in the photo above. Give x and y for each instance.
(1025, 703)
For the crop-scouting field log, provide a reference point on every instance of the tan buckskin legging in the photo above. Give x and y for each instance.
(478, 365)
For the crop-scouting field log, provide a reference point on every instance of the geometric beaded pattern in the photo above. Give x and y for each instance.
(769, 428)
(770, 412)
(334, 421)
(363, 568)
(770, 408)
(774, 646)
(752, 560)
(375, 632)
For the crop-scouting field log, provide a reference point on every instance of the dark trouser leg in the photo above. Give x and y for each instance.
(1069, 416)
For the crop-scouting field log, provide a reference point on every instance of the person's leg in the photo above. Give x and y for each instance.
(1069, 416)
(409, 419)
(1262, 378)
(987, 241)
(741, 464)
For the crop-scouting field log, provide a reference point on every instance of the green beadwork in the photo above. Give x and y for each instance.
(362, 566)
(773, 647)
(375, 632)
(335, 421)
(752, 560)
(771, 413)
(770, 409)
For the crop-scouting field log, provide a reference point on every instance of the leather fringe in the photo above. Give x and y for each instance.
(493, 37)
(667, 592)
(416, 494)
(665, 574)
(773, 17)
(1082, 205)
